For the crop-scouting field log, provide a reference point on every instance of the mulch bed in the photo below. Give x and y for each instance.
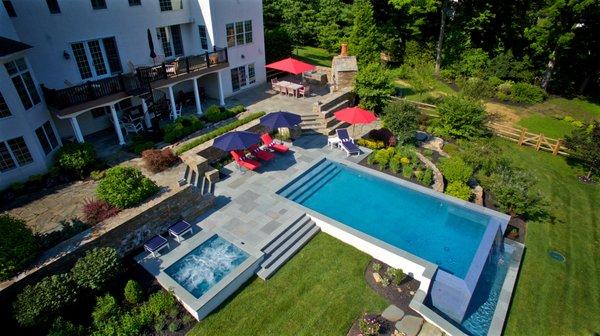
(400, 296)
(387, 328)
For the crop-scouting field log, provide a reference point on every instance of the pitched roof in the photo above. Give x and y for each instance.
(9, 46)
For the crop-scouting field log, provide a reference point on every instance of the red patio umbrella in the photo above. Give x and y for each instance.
(355, 115)
(291, 65)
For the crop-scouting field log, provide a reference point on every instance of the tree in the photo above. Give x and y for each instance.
(365, 39)
(373, 85)
(18, 246)
(584, 142)
(461, 117)
(278, 45)
(402, 118)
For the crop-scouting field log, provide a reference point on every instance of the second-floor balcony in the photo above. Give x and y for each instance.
(143, 79)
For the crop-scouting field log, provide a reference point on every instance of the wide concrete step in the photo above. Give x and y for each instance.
(329, 112)
(286, 234)
(267, 272)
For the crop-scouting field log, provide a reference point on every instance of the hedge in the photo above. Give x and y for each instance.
(217, 132)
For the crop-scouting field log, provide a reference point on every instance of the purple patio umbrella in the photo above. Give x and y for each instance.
(238, 140)
(280, 119)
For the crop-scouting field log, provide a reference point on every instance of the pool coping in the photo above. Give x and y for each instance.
(202, 306)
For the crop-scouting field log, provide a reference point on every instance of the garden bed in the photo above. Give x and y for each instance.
(398, 295)
(416, 166)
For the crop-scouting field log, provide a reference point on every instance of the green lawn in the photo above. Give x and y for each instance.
(549, 126)
(577, 108)
(320, 291)
(314, 56)
(553, 298)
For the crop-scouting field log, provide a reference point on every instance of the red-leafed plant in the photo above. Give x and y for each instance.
(95, 211)
(157, 160)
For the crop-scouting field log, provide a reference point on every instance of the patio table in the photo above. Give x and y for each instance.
(291, 85)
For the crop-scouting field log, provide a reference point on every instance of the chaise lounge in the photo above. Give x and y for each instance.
(244, 162)
(270, 143)
(180, 228)
(155, 244)
(347, 143)
(261, 153)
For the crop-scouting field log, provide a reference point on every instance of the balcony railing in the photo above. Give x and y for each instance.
(130, 83)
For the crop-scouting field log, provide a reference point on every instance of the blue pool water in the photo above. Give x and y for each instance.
(206, 265)
(428, 227)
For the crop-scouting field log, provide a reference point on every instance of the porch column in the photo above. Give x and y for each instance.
(197, 97)
(172, 100)
(221, 95)
(146, 114)
(76, 129)
(117, 124)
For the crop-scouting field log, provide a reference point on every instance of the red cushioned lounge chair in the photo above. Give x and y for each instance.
(261, 153)
(244, 162)
(269, 143)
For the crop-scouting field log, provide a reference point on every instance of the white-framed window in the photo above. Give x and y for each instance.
(203, 39)
(170, 40)
(23, 82)
(242, 76)
(239, 33)
(169, 5)
(14, 153)
(251, 74)
(97, 58)
(4, 110)
(98, 4)
(46, 137)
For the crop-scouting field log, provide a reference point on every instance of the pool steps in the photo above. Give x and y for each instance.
(286, 244)
(301, 189)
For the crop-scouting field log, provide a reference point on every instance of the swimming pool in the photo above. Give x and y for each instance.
(206, 265)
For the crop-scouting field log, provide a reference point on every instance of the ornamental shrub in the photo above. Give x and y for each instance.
(455, 169)
(76, 158)
(407, 171)
(215, 113)
(515, 192)
(478, 88)
(125, 187)
(426, 177)
(106, 308)
(133, 292)
(38, 304)
(382, 157)
(396, 163)
(459, 189)
(384, 135)
(527, 94)
(371, 144)
(62, 327)
(237, 109)
(396, 275)
(369, 325)
(157, 160)
(402, 118)
(97, 268)
(182, 127)
(18, 246)
(461, 117)
(373, 85)
(95, 211)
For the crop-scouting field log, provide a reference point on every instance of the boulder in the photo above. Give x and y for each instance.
(429, 329)
(410, 325)
(377, 277)
(393, 313)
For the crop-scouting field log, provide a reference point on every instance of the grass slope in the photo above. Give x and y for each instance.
(320, 291)
(314, 56)
(553, 298)
(549, 126)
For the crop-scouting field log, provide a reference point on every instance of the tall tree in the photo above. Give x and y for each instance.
(365, 38)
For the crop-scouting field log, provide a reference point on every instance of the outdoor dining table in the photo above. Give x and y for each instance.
(290, 85)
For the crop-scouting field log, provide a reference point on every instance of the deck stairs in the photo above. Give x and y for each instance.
(321, 119)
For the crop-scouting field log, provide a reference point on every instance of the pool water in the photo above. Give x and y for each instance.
(431, 228)
(206, 265)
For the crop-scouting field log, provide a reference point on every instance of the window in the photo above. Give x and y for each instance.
(53, 6)
(4, 110)
(203, 40)
(251, 74)
(23, 82)
(168, 5)
(135, 2)
(170, 39)
(238, 33)
(10, 9)
(238, 78)
(14, 153)
(45, 135)
(98, 4)
(95, 58)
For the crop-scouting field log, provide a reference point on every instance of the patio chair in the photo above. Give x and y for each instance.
(177, 112)
(291, 92)
(244, 162)
(261, 153)
(346, 142)
(304, 91)
(132, 127)
(270, 143)
(180, 228)
(155, 244)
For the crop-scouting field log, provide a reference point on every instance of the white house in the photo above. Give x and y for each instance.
(90, 65)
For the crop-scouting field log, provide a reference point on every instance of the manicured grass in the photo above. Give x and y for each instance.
(553, 298)
(314, 56)
(578, 108)
(549, 126)
(320, 291)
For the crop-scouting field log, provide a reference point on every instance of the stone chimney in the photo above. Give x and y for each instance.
(344, 51)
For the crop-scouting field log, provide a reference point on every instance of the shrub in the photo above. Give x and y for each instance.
(18, 246)
(237, 109)
(373, 85)
(217, 132)
(95, 211)
(68, 229)
(395, 275)
(382, 157)
(478, 88)
(106, 308)
(62, 327)
(396, 163)
(384, 135)
(174, 326)
(97, 268)
(376, 267)
(461, 117)
(473, 62)
(215, 114)
(97, 175)
(514, 192)
(181, 127)
(385, 282)
(455, 169)
(133, 292)
(527, 94)
(584, 143)
(426, 177)
(459, 189)
(158, 303)
(371, 144)
(125, 187)
(157, 160)
(407, 171)
(76, 158)
(402, 118)
(36, 305)
(369, 325)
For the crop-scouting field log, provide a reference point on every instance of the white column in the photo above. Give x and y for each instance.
(76, 129)
(221, 95)
(172, 100)
(197, 97)
(146, 114)
(117, 124)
